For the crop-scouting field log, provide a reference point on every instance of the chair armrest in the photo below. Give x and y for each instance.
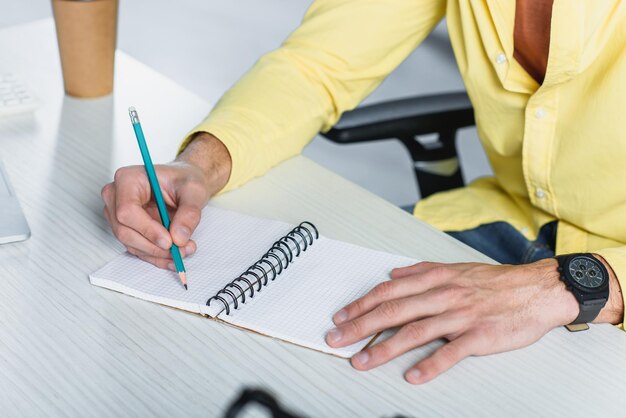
(404, 118)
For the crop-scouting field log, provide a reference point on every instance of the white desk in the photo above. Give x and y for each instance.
(71, 349)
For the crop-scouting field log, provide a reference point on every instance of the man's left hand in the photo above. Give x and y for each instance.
(478, 308)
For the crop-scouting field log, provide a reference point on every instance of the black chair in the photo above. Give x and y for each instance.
(436, 163)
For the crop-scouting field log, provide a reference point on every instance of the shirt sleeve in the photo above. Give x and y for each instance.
(616, 257)
(342, 51)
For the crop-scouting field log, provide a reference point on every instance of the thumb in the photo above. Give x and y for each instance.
(187, 215)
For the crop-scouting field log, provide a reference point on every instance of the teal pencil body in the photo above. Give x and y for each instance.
(156, 189)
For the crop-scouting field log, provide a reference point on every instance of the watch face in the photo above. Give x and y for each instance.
(586, 272)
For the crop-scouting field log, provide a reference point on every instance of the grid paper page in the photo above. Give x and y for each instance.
(299, 306)
(228, 243)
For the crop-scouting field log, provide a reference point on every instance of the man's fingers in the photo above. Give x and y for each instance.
(184, 252)
(130, 199)
(153, 211)
(389, 290)
(389, 314)
(108, 196)
(124, 233)
(140, 254)
(131, 238)
(191, 201)
(417, 268)
(443, 359)
(149, 249)
(189, 249)
(410, 336)
(161, 263)
(135, 219)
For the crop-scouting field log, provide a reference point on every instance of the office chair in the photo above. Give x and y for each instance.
(435, 163)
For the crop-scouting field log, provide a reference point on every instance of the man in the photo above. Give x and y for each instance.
(547, 84)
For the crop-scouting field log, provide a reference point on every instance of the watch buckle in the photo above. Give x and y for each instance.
(577, 327)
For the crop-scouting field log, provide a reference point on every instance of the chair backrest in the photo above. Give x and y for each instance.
(436, 164)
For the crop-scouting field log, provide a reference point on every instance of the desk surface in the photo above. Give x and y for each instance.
(68, 348)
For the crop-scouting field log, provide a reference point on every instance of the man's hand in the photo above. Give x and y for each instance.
(187, 183)
(478, 308)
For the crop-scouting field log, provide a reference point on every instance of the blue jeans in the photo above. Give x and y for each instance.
(505, 244)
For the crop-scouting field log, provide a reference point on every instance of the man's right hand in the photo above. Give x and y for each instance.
(187, 183)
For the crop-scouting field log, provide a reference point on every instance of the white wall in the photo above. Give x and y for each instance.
(205, 45)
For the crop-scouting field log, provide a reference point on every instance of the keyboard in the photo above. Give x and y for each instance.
(14, 96)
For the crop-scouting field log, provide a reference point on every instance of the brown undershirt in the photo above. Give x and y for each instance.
(532, 36)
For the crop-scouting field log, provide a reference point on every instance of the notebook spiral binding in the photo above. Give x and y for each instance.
(268, 267)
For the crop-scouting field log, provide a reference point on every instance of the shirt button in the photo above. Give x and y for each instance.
(500, 58)
(540, 193)
(540, 113)
(524, 230)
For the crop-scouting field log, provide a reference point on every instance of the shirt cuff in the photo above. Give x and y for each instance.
(228, 125)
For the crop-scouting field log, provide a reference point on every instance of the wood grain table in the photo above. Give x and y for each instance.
(71, 349)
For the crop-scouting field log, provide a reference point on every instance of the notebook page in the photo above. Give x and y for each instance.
(228, 243)
(298, 307)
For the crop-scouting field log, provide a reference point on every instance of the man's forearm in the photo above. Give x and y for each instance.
(211, 155)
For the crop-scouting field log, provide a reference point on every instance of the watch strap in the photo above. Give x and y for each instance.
(589, 309)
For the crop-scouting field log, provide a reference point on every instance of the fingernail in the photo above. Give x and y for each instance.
(171, 266)
(334, 335)
(189, 249)
(184, 233)
(412, 376)
(362, 358)
(341, 316)
(163, 243)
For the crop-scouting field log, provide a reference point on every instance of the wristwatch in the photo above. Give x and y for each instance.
(587, 278)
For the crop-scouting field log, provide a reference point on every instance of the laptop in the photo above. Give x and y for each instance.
(13, 225)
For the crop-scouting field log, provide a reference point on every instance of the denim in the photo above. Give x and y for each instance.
(506, 245)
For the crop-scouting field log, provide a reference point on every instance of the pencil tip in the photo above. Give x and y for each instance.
(183, 278)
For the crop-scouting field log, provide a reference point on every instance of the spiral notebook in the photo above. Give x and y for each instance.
(284, 281)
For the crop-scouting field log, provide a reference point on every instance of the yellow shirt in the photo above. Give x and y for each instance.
(558, 150)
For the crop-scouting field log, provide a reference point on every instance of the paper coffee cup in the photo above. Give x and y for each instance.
(86, 32)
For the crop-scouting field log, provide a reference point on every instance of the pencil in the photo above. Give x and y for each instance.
(156, 191)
